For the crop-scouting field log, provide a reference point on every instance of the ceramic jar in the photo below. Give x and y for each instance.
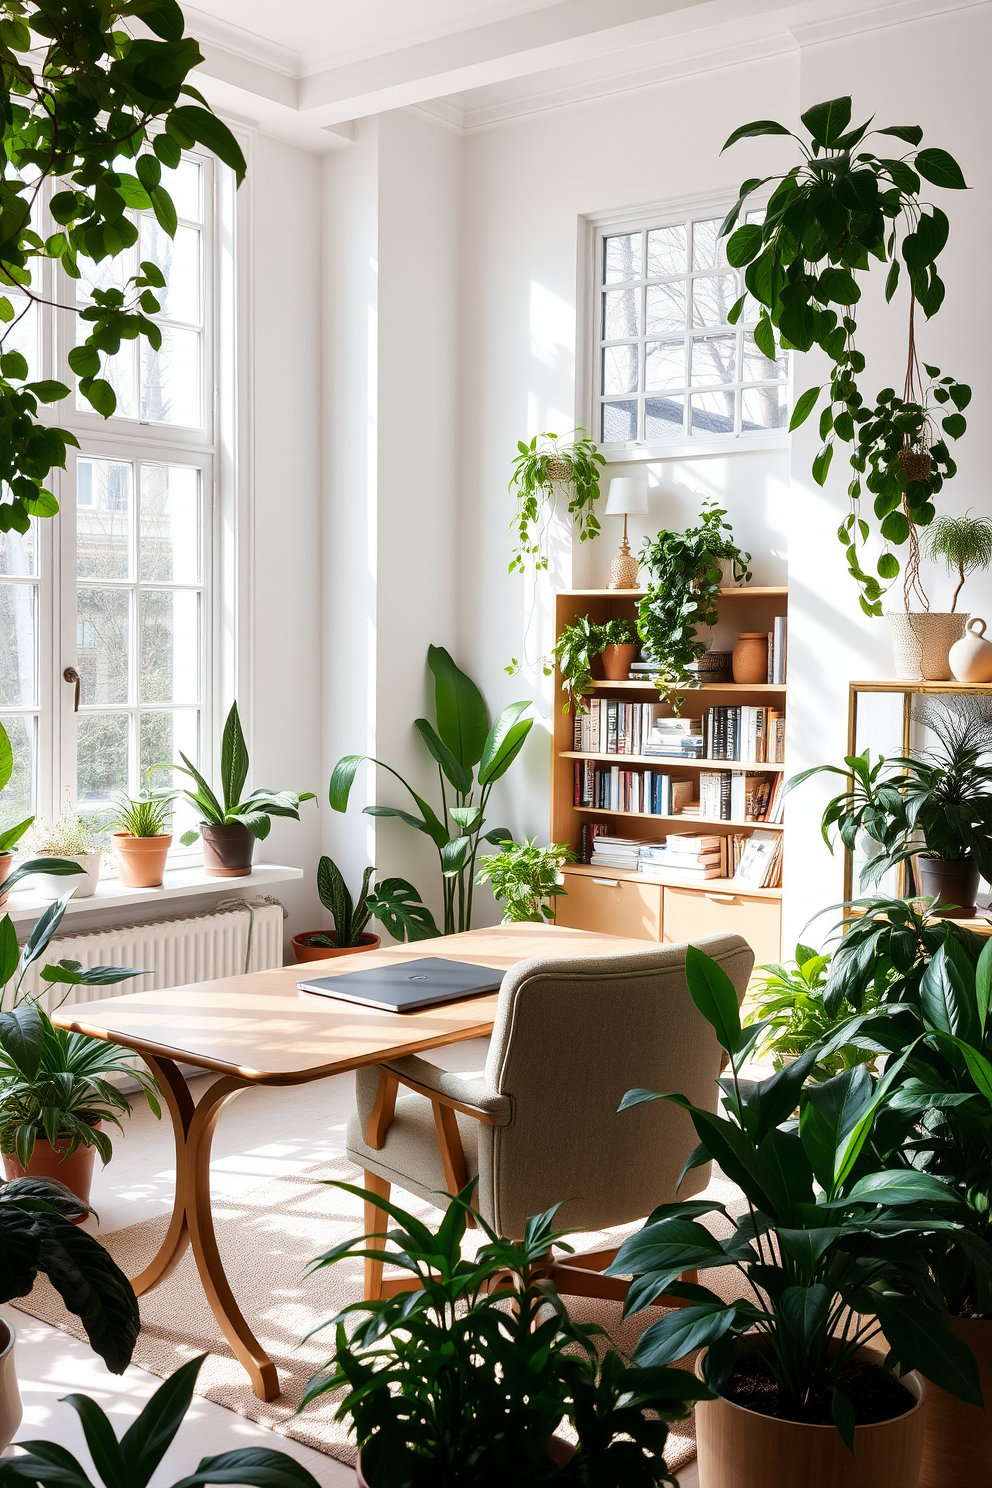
(921, 643)
(750, 660)
(971, 657)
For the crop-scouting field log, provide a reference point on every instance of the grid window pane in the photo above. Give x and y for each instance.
(764, 408)
(667, 249)
(21, 333)
(663, 418)
(709, 250)
(712, 297)
(104, 507)
(184, 185)
(19, 552)
(170, 524)
(20, 794)
(103, 644)
(712, 413)
(179, 260)
(621, 314)
(758, 368)
(665, 308)
(101, 757)
(170, 379)
(620, 369)
(18, 645)
(622, 258)
(169, 646)
(714, 360)
(619, 422)
(664, 365)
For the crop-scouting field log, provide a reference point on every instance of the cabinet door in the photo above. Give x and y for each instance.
(691, 913)
(613, 906)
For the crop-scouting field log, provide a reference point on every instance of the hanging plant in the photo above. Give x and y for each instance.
(826, 219)
(540, 471)
(685, 584)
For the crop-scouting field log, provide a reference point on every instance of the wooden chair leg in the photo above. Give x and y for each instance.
(375, 1225)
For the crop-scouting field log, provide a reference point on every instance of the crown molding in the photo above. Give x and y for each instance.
(876, 18)
(441, 111)
(245, 45)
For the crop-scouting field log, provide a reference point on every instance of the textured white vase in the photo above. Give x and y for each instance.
(921, 643)
(11, 1409)
(971, 657)
(54, 885)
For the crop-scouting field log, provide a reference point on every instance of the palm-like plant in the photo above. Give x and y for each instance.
(963, 544)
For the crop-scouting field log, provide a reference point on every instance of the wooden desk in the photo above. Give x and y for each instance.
(259, 1030)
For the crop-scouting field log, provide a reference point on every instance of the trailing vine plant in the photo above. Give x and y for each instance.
(685, 584)
(826, 219)
(542, 467)
(79, 97)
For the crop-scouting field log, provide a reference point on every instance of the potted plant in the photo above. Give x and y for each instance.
(229, 831)
(542, 467)
(581, 643)
(71, 837)
(790, 1004)
(686, 577)
(38, 1232)
(526, 879)
(827, 220)
(830, 1251)
(135, 1459)
(471, 756)
(942, 796)
(394, 901)
(445, 1384)
(141, 839)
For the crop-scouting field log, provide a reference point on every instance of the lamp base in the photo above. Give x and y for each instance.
(624, 571)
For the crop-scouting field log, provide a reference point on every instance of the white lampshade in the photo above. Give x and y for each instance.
(628, 497)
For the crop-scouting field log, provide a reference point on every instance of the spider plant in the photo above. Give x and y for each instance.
(146, 816)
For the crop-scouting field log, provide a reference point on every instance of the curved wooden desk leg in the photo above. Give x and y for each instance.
(175, 1093)
(196, 1183)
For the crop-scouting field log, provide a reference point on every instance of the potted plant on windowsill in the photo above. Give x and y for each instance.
(581, 643)
(229, 831)
(73, 838)
(830, 1249)
(526, 879)
(482, 1386)
(393, 901)
(142, 839)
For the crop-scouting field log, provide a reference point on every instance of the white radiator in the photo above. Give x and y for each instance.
(171, 953)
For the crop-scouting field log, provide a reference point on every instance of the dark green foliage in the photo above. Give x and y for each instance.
(36, 1235)
(470, 758)
(830, 1241)
(526, 879)
(789, 1001)
(685, 585)
(91, 95)
(826, 220)
(447, 1384)
(132, 1461)
(578, 646)
(533, 483)
(394, 901)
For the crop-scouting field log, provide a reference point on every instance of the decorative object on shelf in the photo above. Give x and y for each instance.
(542, 467)
(229, 831)
(142, 840)
(827, 219)
(526, 879)
(970, 658)
(819, 1200)
(750, 657)
(471, 757)
(712, 666)
(394, 901)
(578, 647)
(508, 1375)
(685, 584)
(933, 807)
(922, 641)
(75, 838)
(628, 497)
(135, 1458)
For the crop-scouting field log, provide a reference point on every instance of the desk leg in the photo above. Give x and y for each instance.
(192, 1221)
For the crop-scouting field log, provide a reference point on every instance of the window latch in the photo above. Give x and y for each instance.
(71, 675)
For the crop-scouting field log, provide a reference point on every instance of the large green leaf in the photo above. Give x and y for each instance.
(460, 775)
(255, 1467)
(22, 1037)
(342, 779)
(6, 758)
(148, 1438)
(750, 131)
(208, 130)
(498, 761)
(94, 1287)
(233, 759)
(947, 997)
(922, 1339)
(460, 708)
(103, 1445)
(42, 931)
(335, 896)
(714, 995)
(680, 1331)
(804, 1311)
(397, 905)
(496, 740)
(826, 122)
(941, 169)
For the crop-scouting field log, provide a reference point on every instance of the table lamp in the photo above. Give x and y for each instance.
(628, 497)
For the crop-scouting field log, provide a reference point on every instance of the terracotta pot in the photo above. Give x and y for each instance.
(739, 1448)
(750, 659)
(617, 660)
(76, 1172)
(559, 1450)
(304, 952)
(922, 641)
(227, 850)
(970, 659)
(952, 884)
(142, 859)
(83, 885)
(11, 1409)
(6, 864)
(957, 1441)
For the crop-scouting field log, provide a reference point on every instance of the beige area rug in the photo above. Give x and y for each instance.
(267, 1237)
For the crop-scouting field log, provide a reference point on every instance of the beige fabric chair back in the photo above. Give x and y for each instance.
(571, 1036)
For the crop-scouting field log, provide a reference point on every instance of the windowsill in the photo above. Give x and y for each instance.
(619, 454)
(180, 883)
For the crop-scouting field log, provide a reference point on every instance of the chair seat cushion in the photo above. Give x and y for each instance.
(410, 1157)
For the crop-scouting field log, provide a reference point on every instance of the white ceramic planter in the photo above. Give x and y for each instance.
(53, 885)
(921, 643)
(11, 1409)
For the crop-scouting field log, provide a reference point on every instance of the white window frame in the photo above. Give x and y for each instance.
(593, 228)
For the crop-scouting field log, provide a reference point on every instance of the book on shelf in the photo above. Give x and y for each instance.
(635, 791)
(778, 649)
(743, 733)
(760, 863)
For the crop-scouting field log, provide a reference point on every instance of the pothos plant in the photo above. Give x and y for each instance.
(826, 219)
(539, 469)
(81, 100)
(685, 583)
(576, 649)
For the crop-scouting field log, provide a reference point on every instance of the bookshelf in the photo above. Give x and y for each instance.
(621, 901)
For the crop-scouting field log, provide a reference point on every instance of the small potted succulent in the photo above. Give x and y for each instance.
(526, 879)
(141, 837)
(393, 901)
(581, 643)
(230, 830)
(71, 837)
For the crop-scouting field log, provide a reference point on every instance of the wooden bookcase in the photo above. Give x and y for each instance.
(621, 902)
